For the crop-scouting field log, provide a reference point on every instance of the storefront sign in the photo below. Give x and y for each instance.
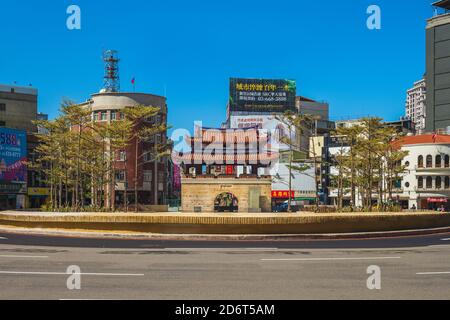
(39, 192)
(437, 200)
(281, 194)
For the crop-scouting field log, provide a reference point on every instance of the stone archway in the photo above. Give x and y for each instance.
(226, 202)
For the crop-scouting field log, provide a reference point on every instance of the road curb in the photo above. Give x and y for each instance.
(188, 225)
(212, 237)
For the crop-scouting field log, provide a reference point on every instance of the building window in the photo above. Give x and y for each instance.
(95, 117)
(447, 182)
(113, 115)
(103, 116)
(447, 161)
(429, 161)
(120, 175)
(147, 156)
(122, 155)
(438, 182)
(2, 107)
(438, 161)
(407, 164)
(420, 162)
(2, 124)
(429, 182)
(148, 176)
(420, 183)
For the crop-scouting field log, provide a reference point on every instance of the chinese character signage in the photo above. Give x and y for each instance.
(270, 123)
(13, 156)
(262, 95)
(278, 194)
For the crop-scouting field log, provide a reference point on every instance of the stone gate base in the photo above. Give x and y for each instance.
(253, 194)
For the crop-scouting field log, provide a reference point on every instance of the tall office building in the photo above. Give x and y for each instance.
(438, 68)
(416, 105)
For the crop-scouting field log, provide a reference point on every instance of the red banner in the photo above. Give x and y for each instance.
(282, 194)
(437, 200)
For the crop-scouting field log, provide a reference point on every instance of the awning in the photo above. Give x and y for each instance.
(305, 199)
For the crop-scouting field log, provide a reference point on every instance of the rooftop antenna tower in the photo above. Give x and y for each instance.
(111, 82)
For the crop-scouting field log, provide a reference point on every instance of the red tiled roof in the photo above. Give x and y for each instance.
(223, 158)
(423, 139)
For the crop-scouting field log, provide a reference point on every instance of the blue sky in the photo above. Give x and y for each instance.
(189, 50)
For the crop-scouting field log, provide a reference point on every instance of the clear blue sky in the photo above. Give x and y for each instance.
(189, 49)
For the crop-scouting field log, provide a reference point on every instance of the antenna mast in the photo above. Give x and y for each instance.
(111, 82)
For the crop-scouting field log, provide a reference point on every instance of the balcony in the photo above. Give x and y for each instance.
(432, 169)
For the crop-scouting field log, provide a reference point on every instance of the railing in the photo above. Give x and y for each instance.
(424, 168)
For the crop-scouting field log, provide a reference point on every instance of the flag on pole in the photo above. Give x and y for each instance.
(434, 137)
(133, 80)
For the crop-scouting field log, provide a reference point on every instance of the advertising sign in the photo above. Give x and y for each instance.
(282, 194)
(262, 95)
(13, 156)
(266, 122)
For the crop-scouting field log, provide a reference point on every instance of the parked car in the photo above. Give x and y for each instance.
(281, 207)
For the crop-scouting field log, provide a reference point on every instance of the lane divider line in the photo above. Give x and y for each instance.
(331, 259)
(81, 274)
(432, 273)
(31, 257)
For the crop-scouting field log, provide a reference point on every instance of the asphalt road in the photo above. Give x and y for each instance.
(35, 267)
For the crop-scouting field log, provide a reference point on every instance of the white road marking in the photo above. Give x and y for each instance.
(431, 273)
(89, 299)
(331, 259)
(448, 239)
(212, 249)
(81, 274)
(2, 238)
(30, 257)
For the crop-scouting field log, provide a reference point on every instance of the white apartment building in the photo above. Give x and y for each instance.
(416, 105)
(426, 182)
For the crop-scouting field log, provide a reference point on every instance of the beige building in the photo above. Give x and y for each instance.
(18, 107)
(201, 193)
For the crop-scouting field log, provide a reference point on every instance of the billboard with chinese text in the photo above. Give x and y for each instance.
(262, 95)
(13, 156)
(270, 123)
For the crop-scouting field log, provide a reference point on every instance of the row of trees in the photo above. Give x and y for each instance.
(79, 156)
(368, 164)
(301, 158)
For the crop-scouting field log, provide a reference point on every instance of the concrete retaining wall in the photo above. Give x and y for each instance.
(302, 223)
